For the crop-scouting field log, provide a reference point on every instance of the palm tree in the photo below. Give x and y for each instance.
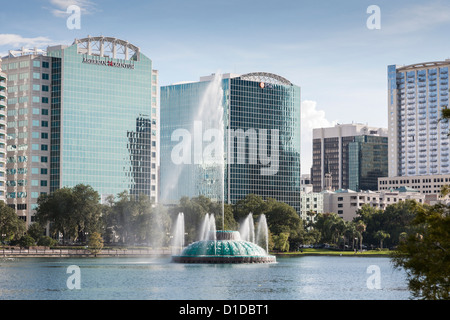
(360, 227)
(381, 235)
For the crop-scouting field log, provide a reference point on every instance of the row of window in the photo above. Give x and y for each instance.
(23, 135)
(23, 183)
(23, 194)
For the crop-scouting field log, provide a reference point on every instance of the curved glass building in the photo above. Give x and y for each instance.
(261, 149)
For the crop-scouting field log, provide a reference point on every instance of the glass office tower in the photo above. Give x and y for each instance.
(367, 162)
(261, 121)
(103, 117)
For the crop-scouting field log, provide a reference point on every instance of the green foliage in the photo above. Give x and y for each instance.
(26, 241)
(71, 211)
(394, 220)
(46, 241)
(424, 253)
(11, 227)
(133, 220)
(95, 243)
(281, 242)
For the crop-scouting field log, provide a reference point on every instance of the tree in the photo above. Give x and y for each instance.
(360, 227)
(282, 241)
(26, 241)
(282, 218)
(381, 235)
(73, 212)
(424, 253)
(11, 227)
(95, 243)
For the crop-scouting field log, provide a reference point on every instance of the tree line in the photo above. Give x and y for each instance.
(72, 214)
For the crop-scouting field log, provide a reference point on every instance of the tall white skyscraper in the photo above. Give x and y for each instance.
(418, 141)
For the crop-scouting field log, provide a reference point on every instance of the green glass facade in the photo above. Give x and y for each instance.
(272, 106)
(180, 107)
(101, 122)
(367, 156)
(261, 120)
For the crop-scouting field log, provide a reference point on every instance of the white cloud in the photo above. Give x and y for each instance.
(86, 7)
(416, 18)
(311, 118)
(15, 40)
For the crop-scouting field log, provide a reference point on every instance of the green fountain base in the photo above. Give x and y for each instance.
(227, 247)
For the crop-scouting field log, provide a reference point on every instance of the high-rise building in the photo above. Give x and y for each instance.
(84, 113)
(418, 141)
(367, 161)
(348, 156)
(261, 121)
(3, 121)
(28, 134)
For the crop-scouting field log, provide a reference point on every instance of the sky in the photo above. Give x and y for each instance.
(328, 48)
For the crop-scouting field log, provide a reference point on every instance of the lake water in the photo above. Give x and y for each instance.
(295, 278)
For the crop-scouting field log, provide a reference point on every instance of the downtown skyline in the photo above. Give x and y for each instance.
(326, 49)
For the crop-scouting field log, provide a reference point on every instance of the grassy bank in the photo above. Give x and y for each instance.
(328, 252)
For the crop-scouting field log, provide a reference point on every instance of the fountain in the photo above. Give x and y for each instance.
(221, 246)
(226, 246)
(178, 234)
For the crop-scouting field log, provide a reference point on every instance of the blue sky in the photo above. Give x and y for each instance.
(324, 47)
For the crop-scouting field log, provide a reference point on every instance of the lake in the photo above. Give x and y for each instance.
(291, 278)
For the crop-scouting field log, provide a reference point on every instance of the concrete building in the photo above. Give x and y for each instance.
(29, 124)
(346, 202)
(349, 155)
(3, 122)
(311, 204)
(426, 184)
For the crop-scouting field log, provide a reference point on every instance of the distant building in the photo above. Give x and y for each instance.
(311, 205)
(347, 202)
(427, 184)
(305, 183)
(348, 155)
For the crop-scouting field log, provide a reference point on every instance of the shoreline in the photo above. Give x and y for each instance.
(131, 253)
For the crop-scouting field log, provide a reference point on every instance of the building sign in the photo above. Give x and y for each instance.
(109, 63)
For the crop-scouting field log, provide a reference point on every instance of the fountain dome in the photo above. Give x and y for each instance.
(223, 247)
